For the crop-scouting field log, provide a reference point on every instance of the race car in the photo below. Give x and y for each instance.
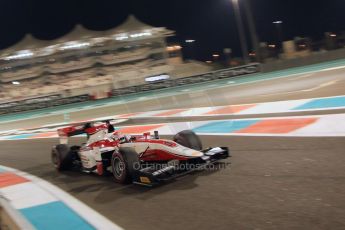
(141, 159)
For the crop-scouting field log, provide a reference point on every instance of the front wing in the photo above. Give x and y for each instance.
(154, 174)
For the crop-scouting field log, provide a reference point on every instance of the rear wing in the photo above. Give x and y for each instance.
(66, 132)
(71, 131)
(84, 128)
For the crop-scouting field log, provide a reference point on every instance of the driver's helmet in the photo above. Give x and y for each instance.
(121, 137)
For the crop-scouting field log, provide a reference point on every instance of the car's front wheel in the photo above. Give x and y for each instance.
(124, 163)
(189, 139)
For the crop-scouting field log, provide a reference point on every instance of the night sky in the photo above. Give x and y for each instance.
(210, 22)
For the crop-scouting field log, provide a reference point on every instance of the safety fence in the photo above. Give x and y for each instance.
(211, 76)
(56, 100)
(40, 103)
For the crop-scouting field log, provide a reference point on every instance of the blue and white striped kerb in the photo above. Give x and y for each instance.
(45, 206)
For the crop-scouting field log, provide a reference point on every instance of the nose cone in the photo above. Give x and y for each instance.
(187, 152)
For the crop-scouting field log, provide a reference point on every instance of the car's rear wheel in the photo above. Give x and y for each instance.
(124, 163)
(62, 157)
(188, 139)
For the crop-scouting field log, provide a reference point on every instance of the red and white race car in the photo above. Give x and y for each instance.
(144, 159)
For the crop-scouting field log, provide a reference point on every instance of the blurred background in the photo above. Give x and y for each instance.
(262, 77)
(61, 52)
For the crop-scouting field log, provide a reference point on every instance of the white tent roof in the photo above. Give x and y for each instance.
(130, 24)
(27, 42)
(79, 32)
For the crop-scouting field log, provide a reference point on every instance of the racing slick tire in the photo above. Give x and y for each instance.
(123, 164)
(189, 139)
(62, 157)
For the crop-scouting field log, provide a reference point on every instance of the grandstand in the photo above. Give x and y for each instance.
(91, 63)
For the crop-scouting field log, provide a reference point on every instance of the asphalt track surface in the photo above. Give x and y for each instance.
(270, 183)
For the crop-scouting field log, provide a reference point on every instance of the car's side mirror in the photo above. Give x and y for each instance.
(156, 135)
